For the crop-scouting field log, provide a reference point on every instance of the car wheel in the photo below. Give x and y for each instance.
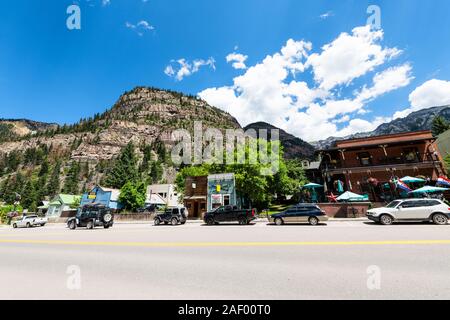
(210, 221)
(106, 226)
(15, 226)
(313, 221)
(279, 221)
(157, 222)
(440, 219)
(90, 225)
(386, 220)
(242, 221)
(72, 225)
(174, 221)
(42, 225)
(107, 217)
(28, 225)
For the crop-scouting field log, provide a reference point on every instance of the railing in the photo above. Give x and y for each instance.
(402, 159)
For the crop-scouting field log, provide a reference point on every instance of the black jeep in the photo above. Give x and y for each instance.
(174, 216)
(91, 216)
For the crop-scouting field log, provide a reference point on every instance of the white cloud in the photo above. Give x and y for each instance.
(141, 27)
(350, 56)
(237, 59)
(182, 68)
(271, 91)
(433, 93)
(388, 80)
(326, 15)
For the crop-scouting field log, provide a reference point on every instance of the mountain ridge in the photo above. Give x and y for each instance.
(415, 121)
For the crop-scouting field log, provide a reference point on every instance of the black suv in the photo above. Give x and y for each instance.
(174, 216)
(91, 216)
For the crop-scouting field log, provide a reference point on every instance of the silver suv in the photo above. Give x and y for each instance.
(411, 210)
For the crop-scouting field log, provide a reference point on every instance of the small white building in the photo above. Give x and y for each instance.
(165, 191)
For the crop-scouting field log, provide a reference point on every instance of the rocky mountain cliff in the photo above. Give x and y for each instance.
(416, 121)
(11, 129)
(144, 116)
(294, 148)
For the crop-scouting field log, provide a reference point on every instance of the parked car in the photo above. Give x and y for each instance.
(91, 216)
(411, 210)
(301, 213)
(29, 222)
(174, 216)
(230, 214)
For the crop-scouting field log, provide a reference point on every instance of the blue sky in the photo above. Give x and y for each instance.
(53, 74)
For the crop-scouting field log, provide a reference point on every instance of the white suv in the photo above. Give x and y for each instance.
(411, 210)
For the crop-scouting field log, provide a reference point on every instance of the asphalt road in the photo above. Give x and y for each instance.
(341, 260)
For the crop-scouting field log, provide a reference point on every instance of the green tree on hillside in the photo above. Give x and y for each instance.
(29, 196)
(124, 169)
(72, 179)
(53, 184)
(439, 125)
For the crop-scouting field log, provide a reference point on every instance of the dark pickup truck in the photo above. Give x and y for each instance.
(230, 214)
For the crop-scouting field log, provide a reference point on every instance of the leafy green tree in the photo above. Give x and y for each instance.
(250, 182)
(124, 169)
(72, 179)
(76, 203)
(132, 195)
(439, 125)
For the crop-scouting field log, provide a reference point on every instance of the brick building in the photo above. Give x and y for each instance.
(368, 165)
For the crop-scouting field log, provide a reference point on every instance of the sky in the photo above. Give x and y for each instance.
(314, 68)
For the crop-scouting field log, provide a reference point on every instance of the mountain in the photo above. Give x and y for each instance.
(11, 129)
(144, 116)
(294, 148)
(416, 121)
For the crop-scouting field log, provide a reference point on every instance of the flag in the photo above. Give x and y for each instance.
(403, 186)
(443, 181)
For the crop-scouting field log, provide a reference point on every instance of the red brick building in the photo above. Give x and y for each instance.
(368, 165)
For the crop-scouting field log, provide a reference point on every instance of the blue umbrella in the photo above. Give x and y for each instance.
(409, 179)
(429, 189)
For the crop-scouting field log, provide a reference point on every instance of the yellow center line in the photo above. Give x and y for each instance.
(226, 244)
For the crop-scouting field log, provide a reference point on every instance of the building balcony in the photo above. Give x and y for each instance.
(417, 160)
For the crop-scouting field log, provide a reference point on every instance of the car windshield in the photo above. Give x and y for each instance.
(393, 204)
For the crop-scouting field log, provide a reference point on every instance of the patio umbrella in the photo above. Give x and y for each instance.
(351, 197)
(409, 179)
(312, 186)
(429, 189)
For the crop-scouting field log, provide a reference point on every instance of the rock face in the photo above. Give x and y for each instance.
(416, 121)
(14, 128)
(143, 116)
(294, 148)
